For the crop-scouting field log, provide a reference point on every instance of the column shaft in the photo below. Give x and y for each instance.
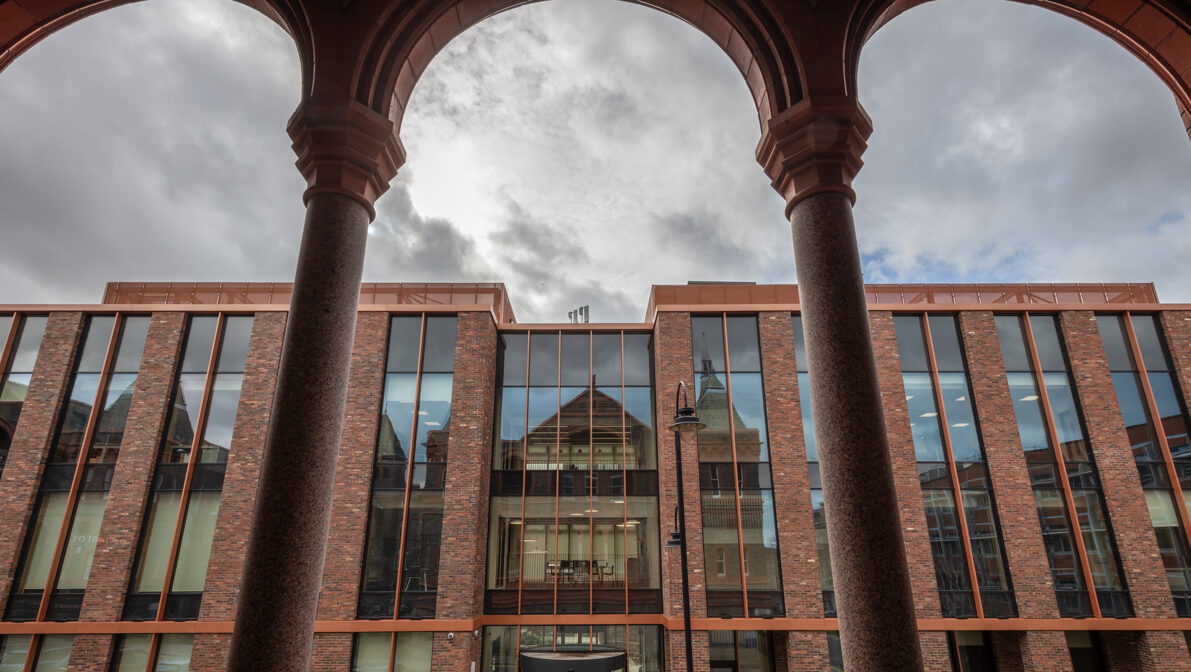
(279, 595)
(878, 629)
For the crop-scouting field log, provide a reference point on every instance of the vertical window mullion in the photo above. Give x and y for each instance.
(80, 467)
(744, 585)
(411, 453)
(524, 486)
(1159, 429)
(557, 474)
(949, 455)
(591, 495)
(624, 478)
(193, 459)
(1061, 465)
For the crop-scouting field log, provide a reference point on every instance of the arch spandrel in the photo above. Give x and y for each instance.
(1158, 32)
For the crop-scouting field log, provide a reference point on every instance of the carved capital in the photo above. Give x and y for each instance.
(344, 147)
(815, 146)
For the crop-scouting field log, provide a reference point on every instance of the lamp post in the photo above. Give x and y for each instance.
(685, 422)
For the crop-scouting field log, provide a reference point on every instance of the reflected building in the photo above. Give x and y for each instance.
(504, 491)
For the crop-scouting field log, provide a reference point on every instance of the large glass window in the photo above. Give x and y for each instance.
(1051, 430)
(826, 583)
(175, 545)
(573, 522)
(400, 574)
(740, 650)
(964, 534)
(739, 525)
(21, 338)
(1133, 345)
(61, 540)
(51, 653)
(392, 652)
(144, 653)
(642, 644)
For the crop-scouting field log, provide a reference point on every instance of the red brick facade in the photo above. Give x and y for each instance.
(799, 638)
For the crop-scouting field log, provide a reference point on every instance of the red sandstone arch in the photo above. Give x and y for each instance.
(1156, 31)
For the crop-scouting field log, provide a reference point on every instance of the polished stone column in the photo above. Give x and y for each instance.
(812, 151)
(878, 628)
(279, 595)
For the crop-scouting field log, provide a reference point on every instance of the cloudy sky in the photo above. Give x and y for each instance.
(582, 150)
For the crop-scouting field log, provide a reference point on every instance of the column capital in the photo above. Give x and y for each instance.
(815, 146)
(344, 147)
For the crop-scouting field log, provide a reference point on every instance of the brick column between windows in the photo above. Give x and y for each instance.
(787, 458)
(353, 472)
(32, 442)
(1123, 494)
(1176, 327)
(1038, 651)
(1033, 584)
(126, 502)
(236, 505)
(464, 545)
(673, 363)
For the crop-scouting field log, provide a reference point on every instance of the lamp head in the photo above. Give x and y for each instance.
(686, 422)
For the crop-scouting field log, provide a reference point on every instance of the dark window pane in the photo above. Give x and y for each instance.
(944, 336)
(721, 552)
(1141, 434)
(5, 325)
(132, 344)
(762, 569)
(510, 433)
(911, 347)
(419, 579)
(744, 350)
(576, 359)
(32, 330)
(439, 352)
(961, 420)
(748, 413)
(233, 352)
(384, 540)
(221, 417)
(1048, 343)
(951, 572)
(707, 343)
(543, 359)
(638, 360)
(95, 344)
(1149, 341)
(799, 343)
(179, 433)
(985, 541)
(605, 359)
(1096, 540)
(513, 353)
(1027, 406)
(74, 417)
(1115, 347)
(404, 339)
(198, 343)
(109, 431)
(640, 445)
(1013, 345)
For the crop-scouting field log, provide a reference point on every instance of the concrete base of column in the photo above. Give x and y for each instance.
(878, 629)
(279, 595)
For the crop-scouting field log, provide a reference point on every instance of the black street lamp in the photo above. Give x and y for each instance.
(685, 422)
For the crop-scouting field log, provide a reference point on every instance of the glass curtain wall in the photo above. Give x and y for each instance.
(1162, 450)
(140, 653)
(739, 527)
(64, 529)
(400, 575)
(20, 340)
(51, 653)
(642, 644)
(175, 543)
(1051, 430)
(812, 458)
(965, 538)
(573, 526)
(392, 652)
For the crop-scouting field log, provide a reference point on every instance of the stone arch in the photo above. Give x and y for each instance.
(1158, 32)
(396, 53)
(24, 23)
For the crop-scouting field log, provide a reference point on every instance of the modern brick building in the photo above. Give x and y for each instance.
(503, 491)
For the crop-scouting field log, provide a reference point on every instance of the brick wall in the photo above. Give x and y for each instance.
(230, 545)
(464, 548)
(1025, 551)
(1176, 327)
(1040, 651)
(905, 470)
(353, 472)
(1138, 548)
(31, 443)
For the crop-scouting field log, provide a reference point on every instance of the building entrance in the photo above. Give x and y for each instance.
(579, 658)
